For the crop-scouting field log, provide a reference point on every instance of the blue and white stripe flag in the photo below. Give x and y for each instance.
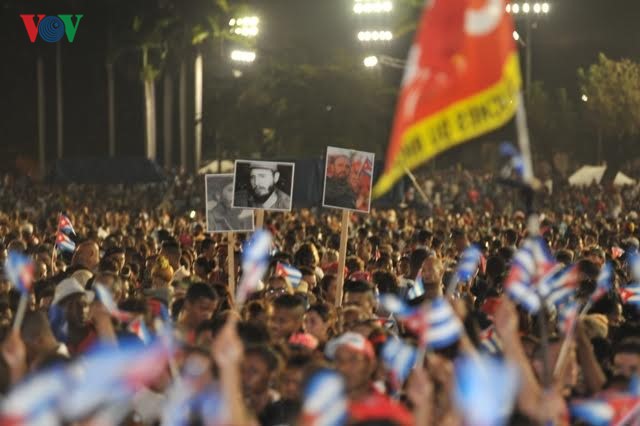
(399, 358)
(516, 163)
(416, 289)
(255, 261)
(567, 316)
(292, 274)
(325, 400)
(559, 284)
(490, 342)
(19, 270)
(604, 282)
(593, 412)
(468, 263)
(445, 328)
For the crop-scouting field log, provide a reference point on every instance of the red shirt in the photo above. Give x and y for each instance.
(379, 406)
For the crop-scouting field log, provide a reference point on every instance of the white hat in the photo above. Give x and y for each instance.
(354, 341)
(68, 287)
(82, 276)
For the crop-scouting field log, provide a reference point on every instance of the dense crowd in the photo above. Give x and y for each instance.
(148, 246)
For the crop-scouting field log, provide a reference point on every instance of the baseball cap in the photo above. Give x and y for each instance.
(70, 286)
(267, 165)
(354, 341)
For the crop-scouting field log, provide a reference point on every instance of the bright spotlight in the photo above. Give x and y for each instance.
(232, 22)
(516, 36)
(243, 56)
(508, 8)
(585, 98)
(525, 8)
(545, 7)
(370, 61)
(536, 8)
(515, 8)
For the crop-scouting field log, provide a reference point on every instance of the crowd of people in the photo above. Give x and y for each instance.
(147, 245)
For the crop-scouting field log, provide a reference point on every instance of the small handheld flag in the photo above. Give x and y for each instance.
(64, 243)
(292, 274)
(138, 328)
(603, 283)
(594, 412)
(255, 260)
(19, 270)
(64, 225)
(399, 358)
(325, 402)
(104, 296)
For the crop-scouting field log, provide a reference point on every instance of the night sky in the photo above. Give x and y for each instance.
(571, 36)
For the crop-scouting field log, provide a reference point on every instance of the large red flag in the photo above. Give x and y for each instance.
(462, 80)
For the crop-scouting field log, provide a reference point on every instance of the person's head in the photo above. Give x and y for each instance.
(202, 268)
(73, 300)
(292, 377)
(309, 276)
(200, 304)
(171, 250)
(354, 358)
(259, 367)
(37, 335)
(510, 237)
(365, 249)
(208, 249)
(341, 166)
(415, 261)
(361, 294)
(117, 256)
(277, 286)
(307, 255)
(432, 274)
(161, 273)
(287, 316)
(226, 195)
(319, 321)
(386, 282)
(626, 357)
(256, 311)
(263, 177)
(351, 316)
(328, 286)
(87, 255)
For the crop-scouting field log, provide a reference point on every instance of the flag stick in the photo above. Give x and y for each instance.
(415, 184)
(586, 308)
(231, 250)
(564, 350)
(259, 219)
(22, 308)
(523, 141)
(344, 234)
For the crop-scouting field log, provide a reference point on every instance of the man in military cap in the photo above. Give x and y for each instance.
(262, 191)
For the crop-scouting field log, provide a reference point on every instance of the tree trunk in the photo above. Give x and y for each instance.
(198, 112)
(167, 122)
(111, 110)
(183, 116)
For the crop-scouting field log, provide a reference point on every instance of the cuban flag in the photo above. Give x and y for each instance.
(593, 412)
(325, 401)
(445, 327)
(468, 263)
(520, 288)
(559, 285)
(630, 295)
(633, 259)
(516, 163)
(64, 243)
(138, 328)
(416, 319)
(64, 225)
(255, 261)
(490, 342)
(485, 389)
(416, 289)
(616, 252)
(603, 283)
(399, 358)
(292, 274)
(567, 316)
(104, 296)
(59, 323)
(19, 270)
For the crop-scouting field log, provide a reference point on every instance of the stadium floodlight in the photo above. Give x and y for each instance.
(381, 35)
(526, 8)
(246, 56)
(545, 8)
(515, 8)
(372, 6)
(370, 61)
(246, 26)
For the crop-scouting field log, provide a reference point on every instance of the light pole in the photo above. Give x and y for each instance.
(530, 13)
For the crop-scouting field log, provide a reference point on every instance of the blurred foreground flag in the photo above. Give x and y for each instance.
(462, 80)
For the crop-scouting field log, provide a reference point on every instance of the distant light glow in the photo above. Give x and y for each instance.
(192, 214)
(246, 26)
(515, 8)
(370, 61)
(525, 8)
(508, 8)
(537, 8)
(516, 36)
(372, 6)
(585, 98)
(243, 56)
(375, 35)
(545, 7)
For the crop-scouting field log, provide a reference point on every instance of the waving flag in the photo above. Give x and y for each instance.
(559, 284)
(104, 296)
(292, 274)
(138, 328)
(486, 388)
(255, 261)
(64, 243)
(445, 327)
(603, 283)
(416, 289)
(631, 295)
(616, 252)
(462, 80)
(490, 341)
(19, 270)
(399, 358)
(520, 287)
(516, 162)
(59, 323)
(468, 264)
(325, 401)
(594, 413)
(64, 225)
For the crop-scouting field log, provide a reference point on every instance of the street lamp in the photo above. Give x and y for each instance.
(245, 56)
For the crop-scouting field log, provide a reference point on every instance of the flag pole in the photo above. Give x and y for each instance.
(342, 258)
(415, 184)
(22, 308)
(259, 218)
(231, 250)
